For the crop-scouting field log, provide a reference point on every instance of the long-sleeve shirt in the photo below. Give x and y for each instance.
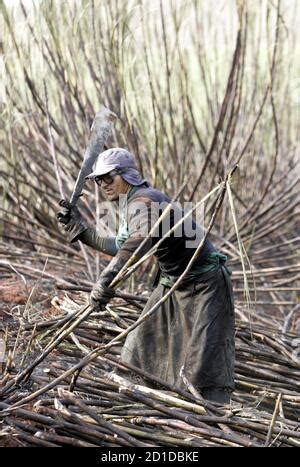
(143, 207)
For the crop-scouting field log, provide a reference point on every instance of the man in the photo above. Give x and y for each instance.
(194, 327)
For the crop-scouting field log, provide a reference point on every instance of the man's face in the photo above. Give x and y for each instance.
(113, 186)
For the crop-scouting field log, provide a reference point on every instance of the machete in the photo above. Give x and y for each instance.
(100, 131)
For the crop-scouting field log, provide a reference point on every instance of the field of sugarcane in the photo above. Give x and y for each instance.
(207, 97)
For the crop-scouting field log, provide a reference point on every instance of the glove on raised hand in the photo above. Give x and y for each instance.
(71, 220)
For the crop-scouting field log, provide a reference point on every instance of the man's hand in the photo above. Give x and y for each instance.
(101, 294)
(71, 220)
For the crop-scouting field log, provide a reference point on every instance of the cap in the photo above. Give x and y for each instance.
(117, 158)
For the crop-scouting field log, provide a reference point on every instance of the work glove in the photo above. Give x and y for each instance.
(71, 220)
(101, 294)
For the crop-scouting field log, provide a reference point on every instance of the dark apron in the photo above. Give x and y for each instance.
(193, 329)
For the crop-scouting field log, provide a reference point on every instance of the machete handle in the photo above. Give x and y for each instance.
(64, 216)
(65, 204)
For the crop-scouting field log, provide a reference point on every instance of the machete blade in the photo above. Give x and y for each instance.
(100, 131)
